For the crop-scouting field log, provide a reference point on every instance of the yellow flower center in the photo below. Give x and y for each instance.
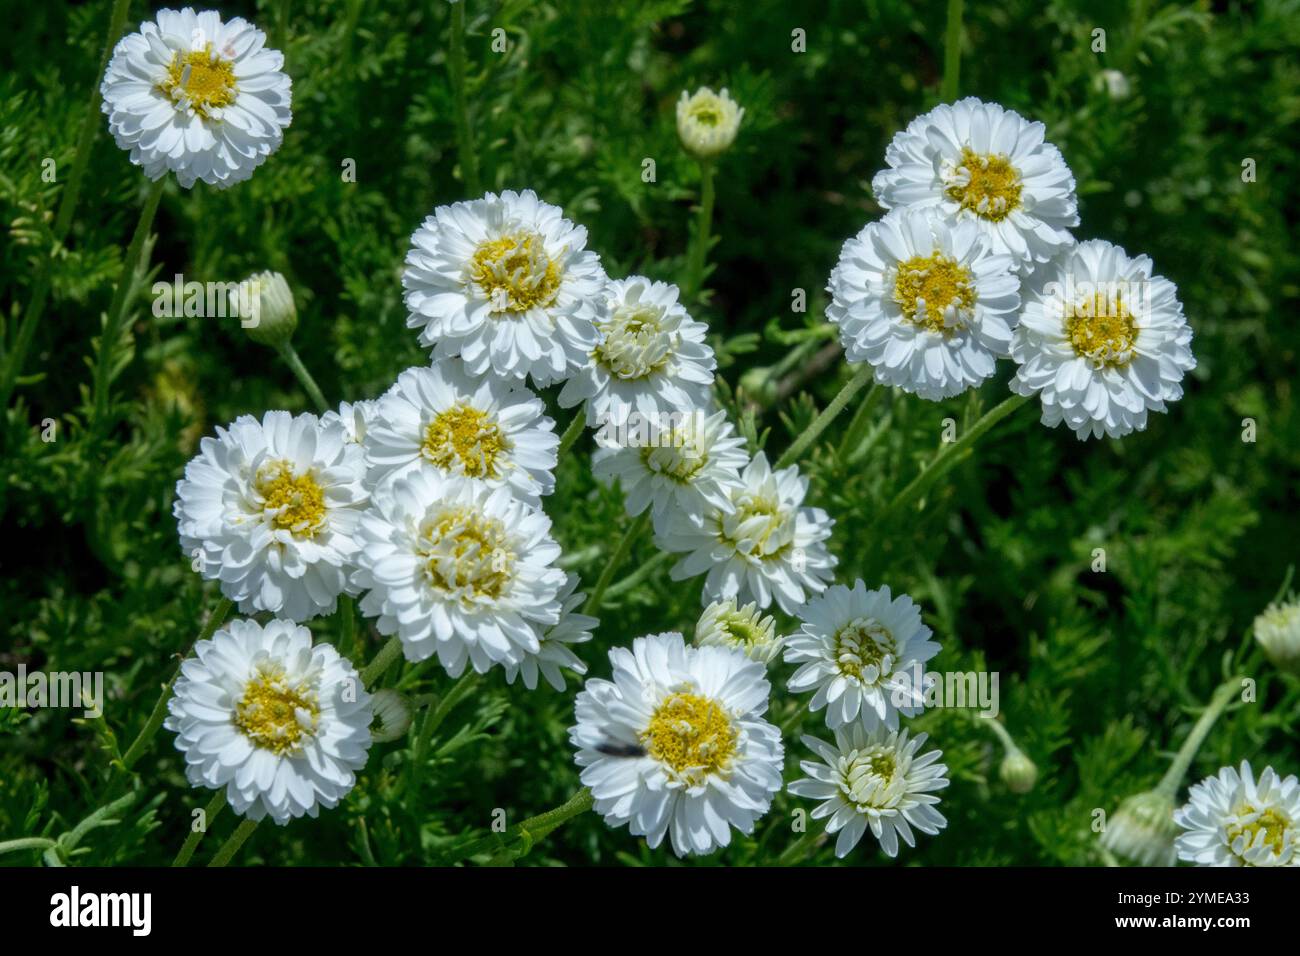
(635, 343)
(986, 184)
(515, 273)
(1102, 329)
(677, 458)
(934, 292)
(276, 715)
(706, 113)
(200, 80)
(295, 503)
(468, 554)
(758, 527)
(468, 436)
(691, 735)
(864, 643)
(1272, 824)
(866, 777)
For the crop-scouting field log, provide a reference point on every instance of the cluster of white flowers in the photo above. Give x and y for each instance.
(974, 261)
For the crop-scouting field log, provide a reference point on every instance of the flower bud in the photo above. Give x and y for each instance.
(707, 122)
(1142, 830)
(746, 629)
(1278, 631)
(1113, 83)
(264, 306)
(392, 715)
(1018, 772)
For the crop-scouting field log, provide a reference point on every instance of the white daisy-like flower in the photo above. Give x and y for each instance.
(355, 418)
(1102, 342)
(1278, 631)
(690, 467)
(441, 419)
(861, 652)
(282, 726)
(979, 162)
(457, 568)
(202, 98)
(651, 360)
(707, 122)
(923, 301)
(1232, 819)
(765, 547)
(874, 780)
(745, 628)
(270, 510)
(677, 744)
(506, 283)
(554, 657)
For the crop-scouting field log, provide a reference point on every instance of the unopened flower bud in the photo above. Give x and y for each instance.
(264, 305)
(392, 715)
(1278, 632)
(1142, 830)
(1018, 772)
(707, 122)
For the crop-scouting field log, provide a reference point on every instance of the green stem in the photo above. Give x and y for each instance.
(647, 568)
(799, 849)
(464, 136)
(858, 423)
(704, 227)
(132, 265)
(387, 654)
(433, 720)
(1173, 778)
(210, 813)
(159, 713)
(27, 843)
(949, 455)
(572, 433)
(615, 559)
(90, 124)
(535, 828)
(347, 625)
(291, 359)
(232, 845)
(828, 415)
(952, 52)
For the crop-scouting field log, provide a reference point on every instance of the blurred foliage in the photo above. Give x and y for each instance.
(1101, 673)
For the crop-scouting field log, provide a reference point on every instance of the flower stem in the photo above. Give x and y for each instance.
(464, 136)
(27, 843)
(952, 52)
(647, 567)
(210, 813)
(347, 625)
(291, 359)
(433, 720)
(797, 851)
(828, 415)
(615, 559)
(572, 433)
(858, 423)
(90, 123)
(232, 845)
(1173, 778)
(533, 829)
(132, 265)
(949, 456)
(381, 662)
(703, 229)
(159, 713)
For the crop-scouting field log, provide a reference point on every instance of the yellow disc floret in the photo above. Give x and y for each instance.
(935, 292)
(1101, 329)
(276, 714)
(691, 735)
(200, 80)
(986, 184)
(867, 777)
(467, 554)
(861, 644)
(515, 273)
(466, 436)
(1264, 829)
(294, 503)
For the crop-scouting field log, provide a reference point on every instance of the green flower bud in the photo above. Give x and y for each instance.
(392, 716)
(1278, 632)
(1142, 830)
(264, 305)
(1018, 772)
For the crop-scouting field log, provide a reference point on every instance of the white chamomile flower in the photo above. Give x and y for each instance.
(677, 744)
(355, 417)
(707, 122)
(554, 655)
(441, 419)
(280, 725)
(1278, 631)
(270, 510)
(202, 98)
(1232, 819)
(923, 301)
(765, 547)
(457, 568)
(861, 651)
(1102, 342)
(979, 162)
(691, 467)
(506, 283)
(874, 780)
(651, 360)
(746, 629)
